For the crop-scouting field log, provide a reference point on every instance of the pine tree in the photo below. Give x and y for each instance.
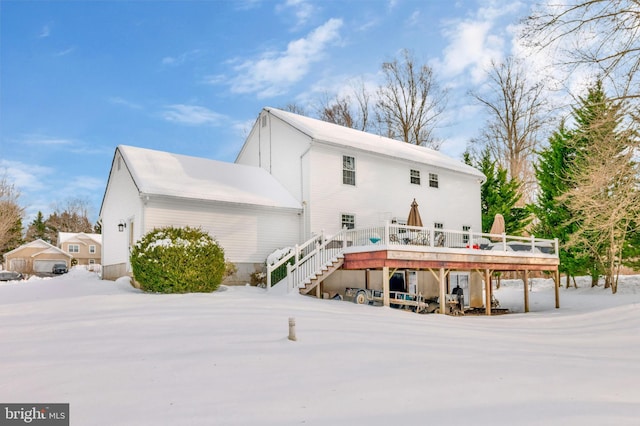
(37, 229)
(553, 216)
(500, 195)
(604, 199)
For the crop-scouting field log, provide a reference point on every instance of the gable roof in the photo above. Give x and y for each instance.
(334, 134)
(41, 244)
(66, 236)
(175, 175)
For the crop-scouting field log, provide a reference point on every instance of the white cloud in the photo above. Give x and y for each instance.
(192, 115)
(84, 184)
(25, 177)
(49, 141)
(414, 19)
(121, 101)
(275, 71)
(65, 52)
(302, 9)
(475, 41)
(471, 48)
(45, 32)
(180, 59)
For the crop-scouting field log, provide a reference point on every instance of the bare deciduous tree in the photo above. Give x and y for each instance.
(10, 214)
(73, 217)
(516, 114)
(601, 34)
(337, 111)
(350, 110)
(410, 102)
(606, 196)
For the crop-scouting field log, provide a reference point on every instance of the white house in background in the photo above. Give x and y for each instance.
(294, 177)
(243, 207)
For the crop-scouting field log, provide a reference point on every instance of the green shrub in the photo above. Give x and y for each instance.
(178, 260)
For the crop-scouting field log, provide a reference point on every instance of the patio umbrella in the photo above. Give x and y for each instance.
(498, 226)
(414, 215)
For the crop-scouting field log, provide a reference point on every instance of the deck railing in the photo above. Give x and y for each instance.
(307, 260)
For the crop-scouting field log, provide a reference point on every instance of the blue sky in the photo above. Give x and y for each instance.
(78, 78)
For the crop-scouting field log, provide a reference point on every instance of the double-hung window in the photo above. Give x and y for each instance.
(348, 221)
(348, 170)
(433, 180)
(414, 175)
(74, 248)
(92, 249)
(465, 235)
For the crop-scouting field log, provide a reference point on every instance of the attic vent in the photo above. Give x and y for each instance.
(118, 163)
(264, 120)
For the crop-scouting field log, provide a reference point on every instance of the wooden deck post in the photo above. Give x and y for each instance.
(556, 279)
(487, 291)
(525, 280)
(443, 291)
(385, 286)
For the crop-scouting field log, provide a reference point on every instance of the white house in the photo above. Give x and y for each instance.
(345, 177)
(294, 177)
(243, 207)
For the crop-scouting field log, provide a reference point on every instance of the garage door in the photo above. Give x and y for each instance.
(17, 265)
(45, 265)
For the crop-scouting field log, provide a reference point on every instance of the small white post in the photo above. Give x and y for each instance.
(292, 329)
(504, 242)
(533, 243)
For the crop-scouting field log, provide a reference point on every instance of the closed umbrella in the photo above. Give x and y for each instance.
(498, 226)
(414, 218)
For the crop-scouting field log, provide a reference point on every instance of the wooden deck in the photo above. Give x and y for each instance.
(434, 258)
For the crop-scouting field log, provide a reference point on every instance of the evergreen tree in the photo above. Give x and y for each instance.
(37, 229)
(500, 195)
(604, 199)
(553, 215)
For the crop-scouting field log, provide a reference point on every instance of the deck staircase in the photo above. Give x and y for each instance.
(311, 263)
(325, 270)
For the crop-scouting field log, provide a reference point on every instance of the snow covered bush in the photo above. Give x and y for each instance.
(178, 260)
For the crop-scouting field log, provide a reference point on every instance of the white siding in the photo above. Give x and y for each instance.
(247, 234)
(383, 190)
(278, 148)
(121, 203)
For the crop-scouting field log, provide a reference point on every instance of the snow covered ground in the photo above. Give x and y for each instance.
(122, 357)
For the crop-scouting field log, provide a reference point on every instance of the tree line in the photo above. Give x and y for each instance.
(572, 176)
(72, 217)
(575, 178)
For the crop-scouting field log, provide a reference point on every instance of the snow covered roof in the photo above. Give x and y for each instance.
(66, 236)
(323, 131)
(164, 173)
(38, 244)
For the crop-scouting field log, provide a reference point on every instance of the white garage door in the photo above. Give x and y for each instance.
(45, 265)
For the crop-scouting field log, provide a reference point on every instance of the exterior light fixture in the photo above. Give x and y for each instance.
(121, 226)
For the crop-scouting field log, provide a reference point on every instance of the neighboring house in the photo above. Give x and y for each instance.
(85, 248)
(293, 178)
(36, 257)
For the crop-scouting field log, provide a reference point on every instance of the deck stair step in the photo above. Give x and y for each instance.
(319, 276)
